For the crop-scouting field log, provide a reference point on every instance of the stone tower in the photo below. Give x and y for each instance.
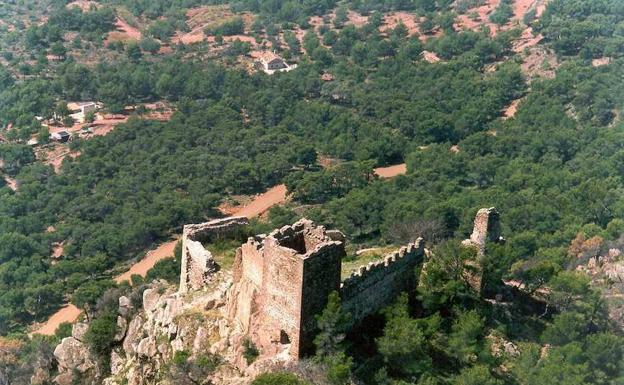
(281, 281)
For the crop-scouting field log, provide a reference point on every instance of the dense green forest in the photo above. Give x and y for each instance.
(553, 170)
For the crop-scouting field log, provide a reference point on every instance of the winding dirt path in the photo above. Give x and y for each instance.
(260, 204)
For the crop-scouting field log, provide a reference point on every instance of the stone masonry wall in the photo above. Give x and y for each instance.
(486, 228)
(197, 262)
(376, 285)
(281, 281)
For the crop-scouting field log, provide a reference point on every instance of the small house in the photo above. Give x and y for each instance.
(270, 63)
(78, 111)
(61, 136)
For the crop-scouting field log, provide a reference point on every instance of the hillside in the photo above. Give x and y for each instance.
(178, 112)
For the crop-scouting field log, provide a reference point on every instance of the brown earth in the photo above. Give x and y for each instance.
(431, 57)
(11, 183)
(85, 5)
(124, 32)
(510, 111)
(391, 171)
(69, 313)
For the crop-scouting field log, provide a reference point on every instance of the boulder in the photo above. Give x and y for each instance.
(117, 363)
(79, 330)
(200, 343)
(122, 328)
(147, 347)
(65, 378)
(133, 336)
(125, 306)
(150, 299)
(72, 354)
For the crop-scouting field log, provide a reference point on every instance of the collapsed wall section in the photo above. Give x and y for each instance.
(197, 262)
(375, 286)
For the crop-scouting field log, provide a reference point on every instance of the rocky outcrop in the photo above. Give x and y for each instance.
(72, 354)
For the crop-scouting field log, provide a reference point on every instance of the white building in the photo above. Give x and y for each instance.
(270, 63)
(78, 111)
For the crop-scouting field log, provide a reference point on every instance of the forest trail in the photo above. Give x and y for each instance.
(259, 205)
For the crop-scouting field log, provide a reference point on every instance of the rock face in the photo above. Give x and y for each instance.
(72, 354)
(606, 270)
(197, 262)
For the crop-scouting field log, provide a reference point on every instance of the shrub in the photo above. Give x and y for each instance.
(278, 379)
(251, 351)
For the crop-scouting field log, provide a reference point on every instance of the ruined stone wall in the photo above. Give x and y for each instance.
(321, 276)
(486, 228)
(375, 286)
(197, 262)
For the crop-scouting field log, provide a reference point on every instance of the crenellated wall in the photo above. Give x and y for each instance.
(374, 286)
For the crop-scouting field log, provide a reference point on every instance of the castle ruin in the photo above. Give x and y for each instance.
(282, 280)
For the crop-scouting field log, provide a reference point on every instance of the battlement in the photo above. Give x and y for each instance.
(372, 287)
(283, 279)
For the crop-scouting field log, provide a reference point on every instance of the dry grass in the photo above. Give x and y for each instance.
(352, 263)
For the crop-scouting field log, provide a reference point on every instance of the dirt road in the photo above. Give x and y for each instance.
(69, 313)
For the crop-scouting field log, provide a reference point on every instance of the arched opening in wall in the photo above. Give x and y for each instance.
(284, 339)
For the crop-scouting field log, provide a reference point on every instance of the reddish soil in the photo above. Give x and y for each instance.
(11, 183)
(526, 40)
(124, 32)
(263, 202)
(85, 5)
(539, 63)
(391, 171)
(510, 111)
(431, 57)
(57, 250)
(356, 19)
(142, 267)
(54, 155)
(391, 20)
(69, 313)
(603, 61)
(465, 22)
(200, 18)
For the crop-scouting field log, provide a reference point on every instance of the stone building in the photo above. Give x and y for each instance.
(281, 281)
